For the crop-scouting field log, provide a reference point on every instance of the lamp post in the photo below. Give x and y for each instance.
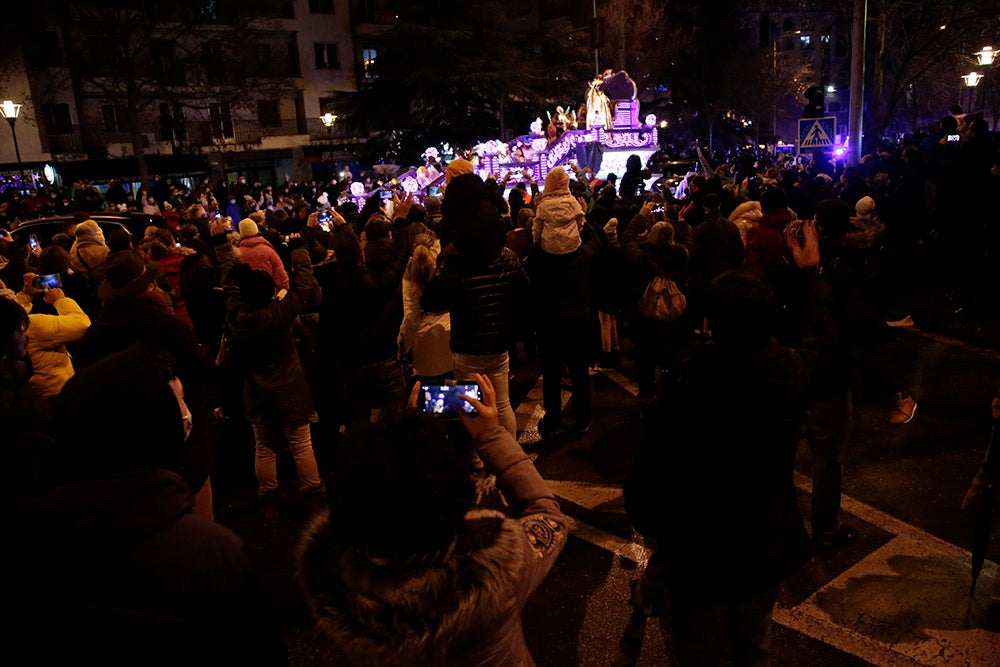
(11, 111)
(972, 80)
(986, 57)
(328, 120)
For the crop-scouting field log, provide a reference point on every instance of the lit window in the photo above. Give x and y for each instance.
(368, 57)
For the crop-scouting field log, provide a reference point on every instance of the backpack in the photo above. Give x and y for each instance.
(663, 300)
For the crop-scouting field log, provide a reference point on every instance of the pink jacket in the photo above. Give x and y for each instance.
(259, 254)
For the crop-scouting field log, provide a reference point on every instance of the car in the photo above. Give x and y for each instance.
(44, 229)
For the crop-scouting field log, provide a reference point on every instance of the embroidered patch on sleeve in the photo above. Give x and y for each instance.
(543, 534)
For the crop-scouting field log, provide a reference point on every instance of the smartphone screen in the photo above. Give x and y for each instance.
(323, 216)
(47, 281)
(33, 242)
(442, 399)
(387, 194)
(433, 191)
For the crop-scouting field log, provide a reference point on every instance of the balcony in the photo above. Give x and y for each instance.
(89, 138)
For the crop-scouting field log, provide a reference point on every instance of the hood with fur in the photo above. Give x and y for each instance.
(460, 608)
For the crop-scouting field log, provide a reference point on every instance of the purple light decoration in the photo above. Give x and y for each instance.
(839, 151)
(357, 189)
(410, 185)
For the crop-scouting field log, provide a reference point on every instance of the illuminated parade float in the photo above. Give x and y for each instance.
(601, 135)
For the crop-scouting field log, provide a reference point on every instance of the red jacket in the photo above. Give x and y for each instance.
(259, 254)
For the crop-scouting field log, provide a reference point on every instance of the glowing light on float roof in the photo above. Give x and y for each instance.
(357, 188)
(663, 123)
(650, 120)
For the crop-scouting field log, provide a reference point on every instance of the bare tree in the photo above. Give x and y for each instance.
(642, 40)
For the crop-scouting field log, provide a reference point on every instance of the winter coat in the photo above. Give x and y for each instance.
(462, 610)
(362, 307)
(561, 283)
(260, 254)
(717, 248)
(88, 254)
(557, 223)
(485, 297)
(275, 388)
(117, 569)
(47, 340)
(766, 242)
(721, 496)
(427, 334)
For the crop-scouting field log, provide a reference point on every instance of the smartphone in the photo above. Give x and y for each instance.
(33, 242)
(387, 194)
(216, 215)
(954, 137)
(47, 281)
(443, 399)
(659, 208)
(433, 191)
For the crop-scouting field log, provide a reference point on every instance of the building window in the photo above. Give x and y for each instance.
(327, 56)
(268, 113)
(57, 119)
(368, 57)
(109, 118)
(222, 120)
(321, 6)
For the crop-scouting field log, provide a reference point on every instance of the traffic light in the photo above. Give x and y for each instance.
(816, 105)
(597, 33)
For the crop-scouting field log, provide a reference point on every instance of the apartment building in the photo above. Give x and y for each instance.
(231, 87)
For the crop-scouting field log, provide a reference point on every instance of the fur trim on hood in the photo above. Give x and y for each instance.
(435, 611)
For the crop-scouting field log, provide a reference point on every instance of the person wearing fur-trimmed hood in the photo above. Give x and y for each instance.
(415, 563)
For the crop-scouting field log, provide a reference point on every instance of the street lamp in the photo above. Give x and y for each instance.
(328, 120)
(972, 80)
(986, 56)
(11, 111)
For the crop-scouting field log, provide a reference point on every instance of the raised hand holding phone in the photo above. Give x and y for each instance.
(487, 416)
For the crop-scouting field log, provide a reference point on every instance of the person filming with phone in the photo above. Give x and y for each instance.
(416, 563)
(56, 322)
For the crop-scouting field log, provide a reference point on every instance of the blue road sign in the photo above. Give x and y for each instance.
(817, 132)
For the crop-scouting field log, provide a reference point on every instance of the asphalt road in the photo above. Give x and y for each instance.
(897, 596)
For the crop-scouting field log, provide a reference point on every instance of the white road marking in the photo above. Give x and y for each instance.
(934, 626)
(925, 611)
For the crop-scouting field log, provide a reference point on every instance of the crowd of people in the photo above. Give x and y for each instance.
(316, 324)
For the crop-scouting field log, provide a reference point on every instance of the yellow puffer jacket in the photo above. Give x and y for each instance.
(47, 339)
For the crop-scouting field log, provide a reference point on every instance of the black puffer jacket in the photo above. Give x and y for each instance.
(486, 297)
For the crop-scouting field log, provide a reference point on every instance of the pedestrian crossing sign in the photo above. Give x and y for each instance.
(817, 132)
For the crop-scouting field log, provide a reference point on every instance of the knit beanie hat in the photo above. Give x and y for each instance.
(457, 168)
(89, 230)
(865, 206)
(557, 180)
(258, 216)
(661, 233)
(248, 228)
